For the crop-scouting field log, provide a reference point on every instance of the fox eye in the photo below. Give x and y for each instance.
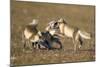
(55, 23)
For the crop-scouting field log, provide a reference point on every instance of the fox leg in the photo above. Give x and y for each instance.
(81, 42)
(74, 44)
(29, 43)
(75, 41)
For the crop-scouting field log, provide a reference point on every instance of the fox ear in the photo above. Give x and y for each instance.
(34, 22)
(61, 20)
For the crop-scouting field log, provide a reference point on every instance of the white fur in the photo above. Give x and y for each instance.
(35, 39)
(84, 34)
(34, 22)
(68, 31)
(51, 31)
(27, 34)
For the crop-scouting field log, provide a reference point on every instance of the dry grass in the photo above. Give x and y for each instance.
(22, 13)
